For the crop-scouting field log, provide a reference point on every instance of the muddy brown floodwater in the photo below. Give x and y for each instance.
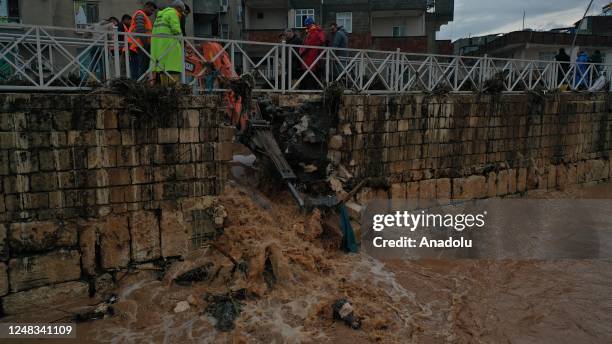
(466, 301)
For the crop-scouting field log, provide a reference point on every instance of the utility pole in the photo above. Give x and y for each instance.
(581, 22)
(524, 14)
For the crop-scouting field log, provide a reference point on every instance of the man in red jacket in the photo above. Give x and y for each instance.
(314, 37)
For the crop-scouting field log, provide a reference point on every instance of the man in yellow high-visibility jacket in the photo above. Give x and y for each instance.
(167, 52)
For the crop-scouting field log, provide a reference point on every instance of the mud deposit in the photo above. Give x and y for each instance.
(293, 281)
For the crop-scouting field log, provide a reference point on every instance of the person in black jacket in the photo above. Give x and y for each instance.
(292, 38)
(564, 59)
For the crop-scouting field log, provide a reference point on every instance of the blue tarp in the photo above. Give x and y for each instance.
(349, 244)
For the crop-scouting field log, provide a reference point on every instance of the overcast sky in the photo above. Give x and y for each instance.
(477, 17)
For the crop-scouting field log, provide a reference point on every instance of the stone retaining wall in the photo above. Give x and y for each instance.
(88, 188)
(474, 146)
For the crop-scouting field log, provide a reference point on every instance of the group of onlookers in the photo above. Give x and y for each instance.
(162, 55)
(582, 74)
(310, 60)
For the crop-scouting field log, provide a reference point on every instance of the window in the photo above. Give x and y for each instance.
(345, 19)
(85, 13)
(431, 6)
(398, 31)
(9, 11)
(225, 31)
(239, 13)
(301, 15)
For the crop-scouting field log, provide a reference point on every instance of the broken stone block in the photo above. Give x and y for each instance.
(88, 241)
(114, 242)
(49, 296)
(174, 233)
(144, 229)
(551, 177)
(354, 210)
(4, 284)
(35, 271)
(41, 236)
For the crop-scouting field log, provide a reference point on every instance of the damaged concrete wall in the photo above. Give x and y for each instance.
(474, 146)
(88, 188)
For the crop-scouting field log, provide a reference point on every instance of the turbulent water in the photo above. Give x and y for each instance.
(461, 301)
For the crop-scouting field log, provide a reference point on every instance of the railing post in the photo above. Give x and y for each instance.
(41, 74)
(484, 71)
(398, 68)
(361, 70)
(283, 65)
(107, 66)
(116, 57)
(327, 53)
(128, 70)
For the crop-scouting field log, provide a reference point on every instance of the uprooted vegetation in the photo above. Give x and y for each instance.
(148, 104)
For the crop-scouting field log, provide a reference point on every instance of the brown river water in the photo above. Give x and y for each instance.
(461, 301)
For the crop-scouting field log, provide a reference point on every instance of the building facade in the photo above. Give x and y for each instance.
(410, 25)
(72, 13)
(371, 24)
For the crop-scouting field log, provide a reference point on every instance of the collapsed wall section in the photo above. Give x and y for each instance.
(89, 187)
(474, 146)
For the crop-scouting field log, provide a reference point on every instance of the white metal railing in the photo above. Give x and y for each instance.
(55, 58)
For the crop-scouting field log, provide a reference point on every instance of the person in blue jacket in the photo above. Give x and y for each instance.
(582, 75)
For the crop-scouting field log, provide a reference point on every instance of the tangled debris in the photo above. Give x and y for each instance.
(199, 274)
(343, 310)
(149, 104)
(100, 311)
(225, 308)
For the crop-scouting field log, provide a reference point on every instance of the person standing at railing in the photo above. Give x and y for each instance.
(582, 77)
(126, 22)
(338, 39)
(290, 37)
(314, 37)
(96, 57)
(597, 59)
(186, 14)
(167, 52)
(564, 64)
(140, 46)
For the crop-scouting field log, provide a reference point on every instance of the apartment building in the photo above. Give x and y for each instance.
(71, 13)
(374, 24)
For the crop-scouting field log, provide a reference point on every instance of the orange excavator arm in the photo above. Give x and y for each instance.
(215, 53)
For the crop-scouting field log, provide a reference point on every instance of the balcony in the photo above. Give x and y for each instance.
(206, 6)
